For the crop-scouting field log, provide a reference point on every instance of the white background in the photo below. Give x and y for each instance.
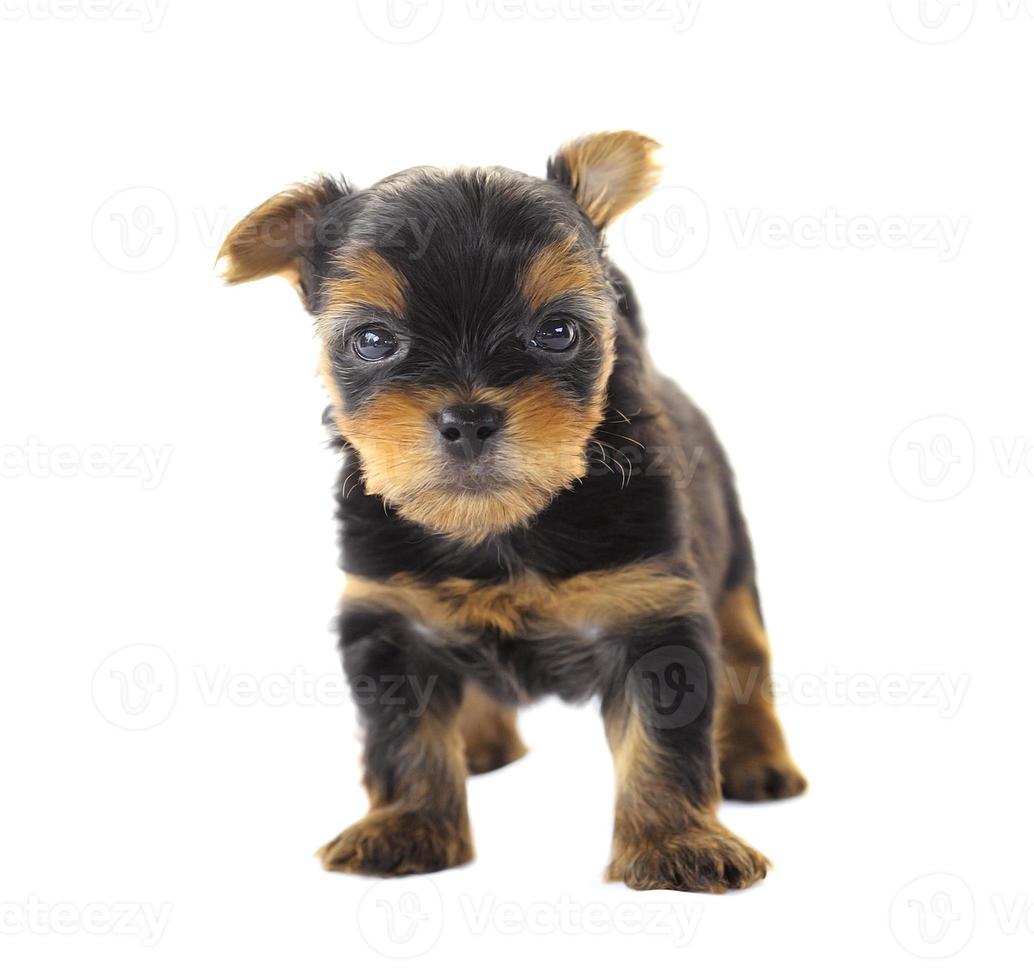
(165, 487)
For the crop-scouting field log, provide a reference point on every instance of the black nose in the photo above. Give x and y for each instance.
(467, 429)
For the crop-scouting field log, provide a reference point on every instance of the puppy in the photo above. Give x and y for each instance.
(527, 507)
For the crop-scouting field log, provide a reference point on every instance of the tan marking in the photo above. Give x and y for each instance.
(534, 605)
(647, 793)
(755, 761)
(370, 280)
(610, 172)
(744, 679)
(540, 453)
(739, 622)
(560, 269)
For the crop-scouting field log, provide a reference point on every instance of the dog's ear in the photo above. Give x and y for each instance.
(607, 172)
(280, 236)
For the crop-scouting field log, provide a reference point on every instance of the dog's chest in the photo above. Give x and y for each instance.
(530, 606)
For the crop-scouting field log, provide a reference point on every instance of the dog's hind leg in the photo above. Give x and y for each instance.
(755, 762)
(489, 731)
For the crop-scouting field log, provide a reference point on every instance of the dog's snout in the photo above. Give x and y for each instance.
(468, 429)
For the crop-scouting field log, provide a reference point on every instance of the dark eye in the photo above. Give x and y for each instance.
(557, 334)
(374, 343)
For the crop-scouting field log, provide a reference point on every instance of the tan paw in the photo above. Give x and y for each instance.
(389, 842)
(704, 860)
(759, 775)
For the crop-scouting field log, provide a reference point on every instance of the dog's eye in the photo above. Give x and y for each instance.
(374, 342)
(557, 334)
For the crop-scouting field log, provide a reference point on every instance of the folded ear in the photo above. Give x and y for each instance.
(607, 172)
(279, 236)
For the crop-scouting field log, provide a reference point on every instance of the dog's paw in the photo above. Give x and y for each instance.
(710, 859)
(389, 842)
(760, 775)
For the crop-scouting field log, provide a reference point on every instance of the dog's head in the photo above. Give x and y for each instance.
(467, 322)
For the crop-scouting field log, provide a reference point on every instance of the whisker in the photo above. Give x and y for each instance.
(621, 435)
(603, 455)
(625, 477)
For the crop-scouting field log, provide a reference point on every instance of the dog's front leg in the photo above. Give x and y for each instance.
(659, 715)
(415, 772)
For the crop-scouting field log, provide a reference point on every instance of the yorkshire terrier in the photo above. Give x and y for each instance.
(527, 507)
